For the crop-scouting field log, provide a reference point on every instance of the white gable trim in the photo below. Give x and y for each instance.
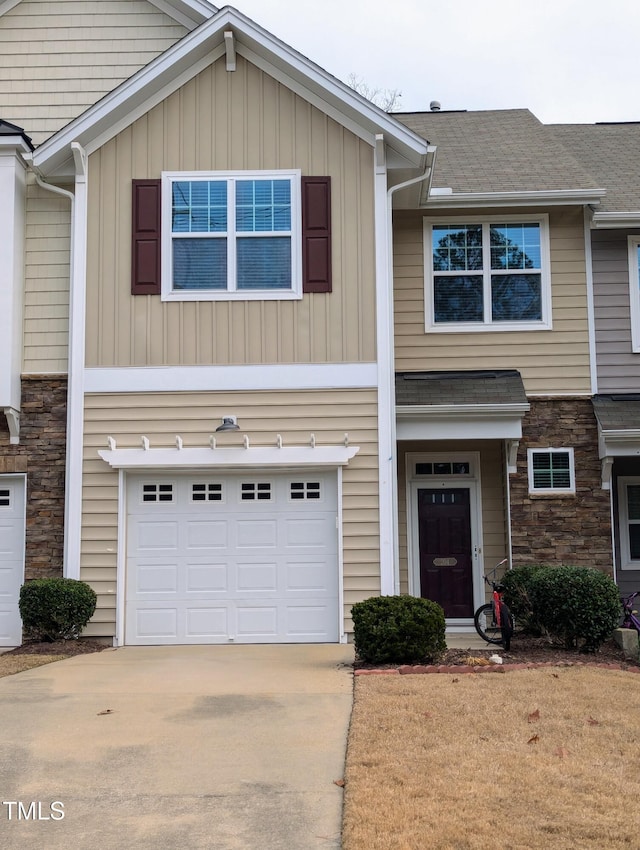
(189, 13)
(194, 52)
(7, 5)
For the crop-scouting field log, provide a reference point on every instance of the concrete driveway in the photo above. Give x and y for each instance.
(218, 747)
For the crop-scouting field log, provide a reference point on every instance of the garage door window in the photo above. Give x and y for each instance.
(207, 492)
(157, 492)
(255, 490)
(5, 498)
(305, 490)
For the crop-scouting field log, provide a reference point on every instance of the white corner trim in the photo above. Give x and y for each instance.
(591, 315)
(229, 458)
(633, 243)
(295, 376)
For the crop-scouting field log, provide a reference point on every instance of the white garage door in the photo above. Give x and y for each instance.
(232, 558)
(12, 531)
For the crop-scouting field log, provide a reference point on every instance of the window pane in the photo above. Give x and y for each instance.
(264, 262)
(199, 264)
(634, 542)
(516, 298)
(515, 246)
(199, 206)
(457, 248)
(458, 299)
(263, 206)
(633, 501)
(551, 470)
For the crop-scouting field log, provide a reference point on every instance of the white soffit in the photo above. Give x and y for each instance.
(229, 458)
(193, 53)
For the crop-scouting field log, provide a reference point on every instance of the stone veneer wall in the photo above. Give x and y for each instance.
(562, 529)
(41, 455)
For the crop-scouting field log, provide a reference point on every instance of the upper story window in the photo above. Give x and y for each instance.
(231, 235)
(634, 290)
(487, 274)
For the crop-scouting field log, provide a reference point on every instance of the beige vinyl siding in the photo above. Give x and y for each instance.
(618, 366)
(261, 415)
(231, 121)
(555, 361)
(46, 308)
(492, 490)
(54, 66)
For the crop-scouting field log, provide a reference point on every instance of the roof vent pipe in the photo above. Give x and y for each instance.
(435, 106)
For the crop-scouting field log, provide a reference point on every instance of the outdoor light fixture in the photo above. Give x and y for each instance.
(229, 423)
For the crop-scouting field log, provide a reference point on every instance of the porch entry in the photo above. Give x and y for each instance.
(445, 550)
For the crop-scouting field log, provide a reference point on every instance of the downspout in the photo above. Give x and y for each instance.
(388, 365)
(75, 379)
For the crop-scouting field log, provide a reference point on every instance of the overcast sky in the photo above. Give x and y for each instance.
(568, 61)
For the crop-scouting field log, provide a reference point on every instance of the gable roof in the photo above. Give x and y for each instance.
(485, 387)
(502, 153)
(196, 51)
(611, 152)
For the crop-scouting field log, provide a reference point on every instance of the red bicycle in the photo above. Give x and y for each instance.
(493, 620)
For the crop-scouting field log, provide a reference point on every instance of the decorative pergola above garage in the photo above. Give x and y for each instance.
(468, 405)
(228, 457)
(618, 418)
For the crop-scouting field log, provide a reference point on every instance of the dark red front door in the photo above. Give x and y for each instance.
(444, 520)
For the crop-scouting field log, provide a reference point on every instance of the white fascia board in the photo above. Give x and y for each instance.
(603, 220)
(557, 197)
(229, 458)
(15, 143)
(466, 412)
(618, 443)
(296, 376)
(189, 13)
(459, 429)
(192, 54)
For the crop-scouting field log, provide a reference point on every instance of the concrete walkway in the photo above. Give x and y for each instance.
(223, 748)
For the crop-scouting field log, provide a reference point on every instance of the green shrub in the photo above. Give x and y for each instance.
(576, 605)
(398, 629)
(56, 608)
(517, 595)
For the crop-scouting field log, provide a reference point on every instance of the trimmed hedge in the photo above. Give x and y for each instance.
(56, 608)
(398, 629)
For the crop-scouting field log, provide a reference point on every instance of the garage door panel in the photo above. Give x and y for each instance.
(207, 578)
(207, 534)
(249, 563)
(12, 549)
(153, 536)
(257, 577)
(209, 622)
(156, 579)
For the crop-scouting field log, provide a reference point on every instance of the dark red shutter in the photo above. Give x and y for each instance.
(145, 248)
(316, 234)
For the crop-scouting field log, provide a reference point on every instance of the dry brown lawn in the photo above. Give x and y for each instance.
(544, 759)
(10, 664)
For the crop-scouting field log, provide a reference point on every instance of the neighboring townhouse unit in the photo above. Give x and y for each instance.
(610, 152)
(497, 441)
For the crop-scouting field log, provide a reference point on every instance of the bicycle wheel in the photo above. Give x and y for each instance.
(485, 623)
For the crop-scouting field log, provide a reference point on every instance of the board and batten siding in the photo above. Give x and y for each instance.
(295, 415)
(242, 120)
(618, 366)
(492, 494)
(554, 362)
(46, 307)
(54, 66)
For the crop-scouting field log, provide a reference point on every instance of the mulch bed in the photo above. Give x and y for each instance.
(58, 647)
(523, 651)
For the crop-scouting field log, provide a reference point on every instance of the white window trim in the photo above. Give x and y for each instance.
(478, 327)
(551, 491)
(634, 292)
(626, 562)
(167, 291)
